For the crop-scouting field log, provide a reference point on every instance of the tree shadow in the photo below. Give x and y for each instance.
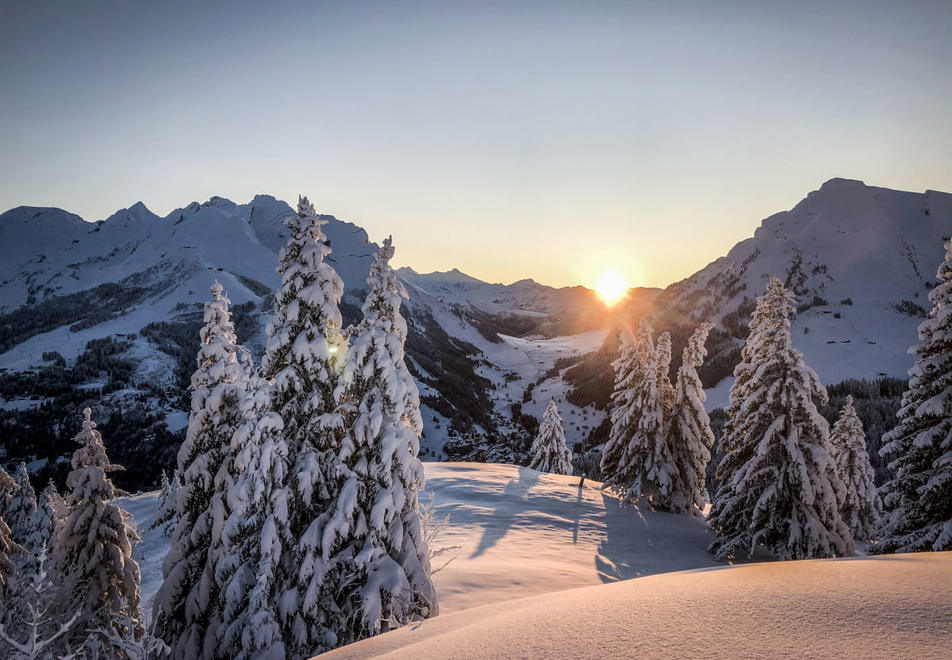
(502, 518)
(638, 544)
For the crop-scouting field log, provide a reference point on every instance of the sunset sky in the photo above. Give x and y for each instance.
(548, 140)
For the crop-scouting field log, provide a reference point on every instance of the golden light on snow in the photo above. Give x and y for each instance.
(611, 286)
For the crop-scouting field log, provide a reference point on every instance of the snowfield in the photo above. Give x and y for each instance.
(897, 606)
(522, 536)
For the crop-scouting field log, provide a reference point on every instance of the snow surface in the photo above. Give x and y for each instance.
(520, 533)
(540, 560)
(897, 606)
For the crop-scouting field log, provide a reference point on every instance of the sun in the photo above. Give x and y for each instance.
(611, 286)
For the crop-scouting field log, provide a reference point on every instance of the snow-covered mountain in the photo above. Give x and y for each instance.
(486, 356)
(862, 261)
(141, 280)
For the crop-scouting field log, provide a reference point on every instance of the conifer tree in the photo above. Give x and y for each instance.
(304, 353)
(21, 510)
(918, 500)
(376, 530)
(666, 391)
(627, 368)
(9, 549)
(57, 502)
(688, 434)
(7, 488)
(168, 503)
(256, 531)
(186, 609)
(861, 507)
(92, 549)
(645, 468)
(32, 627)
(44, 522)
(549, 451)
(780, 490)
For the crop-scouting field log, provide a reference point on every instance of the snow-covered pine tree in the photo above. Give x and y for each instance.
(44, 523)
(645, 468)
(918, 500)
(186, 608)
(688, 434)
(666, 392)
(376, 529)
(256, 532)
(9, 549)
(57, 502)
(303, 357)
(21, 510)
(168, 503)
(549, 451)
(92, 549)
(780, 490)
(7, 488)
(627, 368)
(32, 627)
(861, 507)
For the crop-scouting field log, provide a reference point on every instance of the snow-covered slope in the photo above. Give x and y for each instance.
(543, 568)
(514, 533)
(862, 261)
(896, 606)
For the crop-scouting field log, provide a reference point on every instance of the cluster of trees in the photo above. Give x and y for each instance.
(68, 583)
(293, 511)
(658, 446)
(788, 485)
(297, 516)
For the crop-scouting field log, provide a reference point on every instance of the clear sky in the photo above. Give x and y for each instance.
(509, 139)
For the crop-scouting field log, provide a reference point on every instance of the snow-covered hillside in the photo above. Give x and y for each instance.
(898, 606)
(543, 568)
(862, 261)
(515, 533)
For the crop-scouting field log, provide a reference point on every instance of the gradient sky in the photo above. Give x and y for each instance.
(536, 139)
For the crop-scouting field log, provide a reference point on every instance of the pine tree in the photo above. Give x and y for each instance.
(666, 391)
(32, 628)
(549, 451)
(376, 530)
(186, 606)
(645, 469)
(57, 502)
(9, 549)
(21, 510)
(918, 500)
(304, 353)
(45, 521)
(168, 503)
(92, 549)
(256, 532)
(688, 434)
(861, 507)
(779, 487)
(627, 368)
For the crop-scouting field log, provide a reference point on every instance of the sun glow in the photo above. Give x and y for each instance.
(611, 287)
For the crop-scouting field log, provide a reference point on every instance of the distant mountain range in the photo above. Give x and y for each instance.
(861, 260)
